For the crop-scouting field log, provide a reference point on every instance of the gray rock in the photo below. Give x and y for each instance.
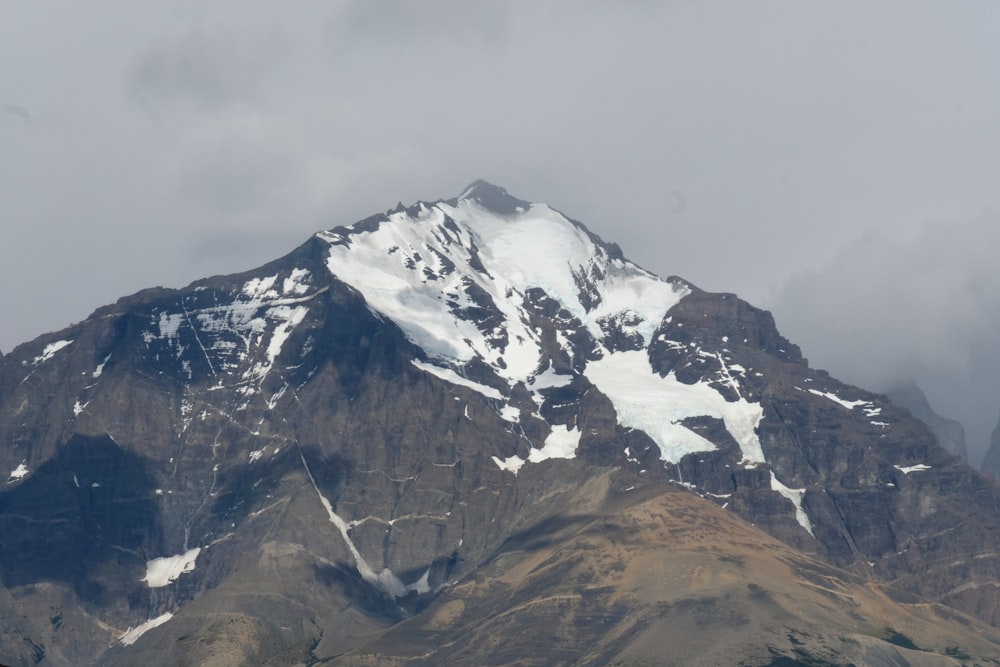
(950, 433)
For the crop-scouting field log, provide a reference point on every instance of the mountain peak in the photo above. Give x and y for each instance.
(493, 198)
(349, 429)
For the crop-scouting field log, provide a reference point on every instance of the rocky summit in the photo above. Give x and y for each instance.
(470, 432)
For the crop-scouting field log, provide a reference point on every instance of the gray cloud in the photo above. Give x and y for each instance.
(924, 307)
(422, 24)
(209, 68)
(18, 112)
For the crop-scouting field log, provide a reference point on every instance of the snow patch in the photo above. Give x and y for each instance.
(794, 495)
(452, 377)
(296, 283)
(170, 324)
(850, 405)
(258, 289)
(100, 367)
(286, 318)
(906, 470)
(656, 405)
(510, 413)
(561, 443)
(548, 379)
(20, 472)
(273, 401)
(510, 464)
(49, 351)
(423, 584)
(165, 570)
(132, 634)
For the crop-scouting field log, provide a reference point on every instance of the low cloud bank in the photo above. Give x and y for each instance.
(886, 308)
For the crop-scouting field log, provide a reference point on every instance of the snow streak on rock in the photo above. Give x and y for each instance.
(850, 405)
(50, 351)
(133, 634)
(906, 470)
(386, 580)
(452, 377)
(794, 495)
(240, 336)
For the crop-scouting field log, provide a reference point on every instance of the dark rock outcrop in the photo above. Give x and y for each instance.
(991, 463)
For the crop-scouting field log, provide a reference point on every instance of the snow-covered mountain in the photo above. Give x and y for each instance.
(446, 409)
(471, 286)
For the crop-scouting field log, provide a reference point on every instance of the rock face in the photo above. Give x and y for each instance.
(949, 432)
(991, 463)
(454, 414)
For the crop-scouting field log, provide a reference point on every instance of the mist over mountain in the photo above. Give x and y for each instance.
(919, 306)
(949, 432)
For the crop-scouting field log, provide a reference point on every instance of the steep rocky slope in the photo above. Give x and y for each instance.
(991, 463)
(950, 433)
(280, 466)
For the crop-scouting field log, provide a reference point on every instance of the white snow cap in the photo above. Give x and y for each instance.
(428, 268)
(461, 278)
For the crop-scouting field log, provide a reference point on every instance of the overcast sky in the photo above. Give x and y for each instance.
(837, 163)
